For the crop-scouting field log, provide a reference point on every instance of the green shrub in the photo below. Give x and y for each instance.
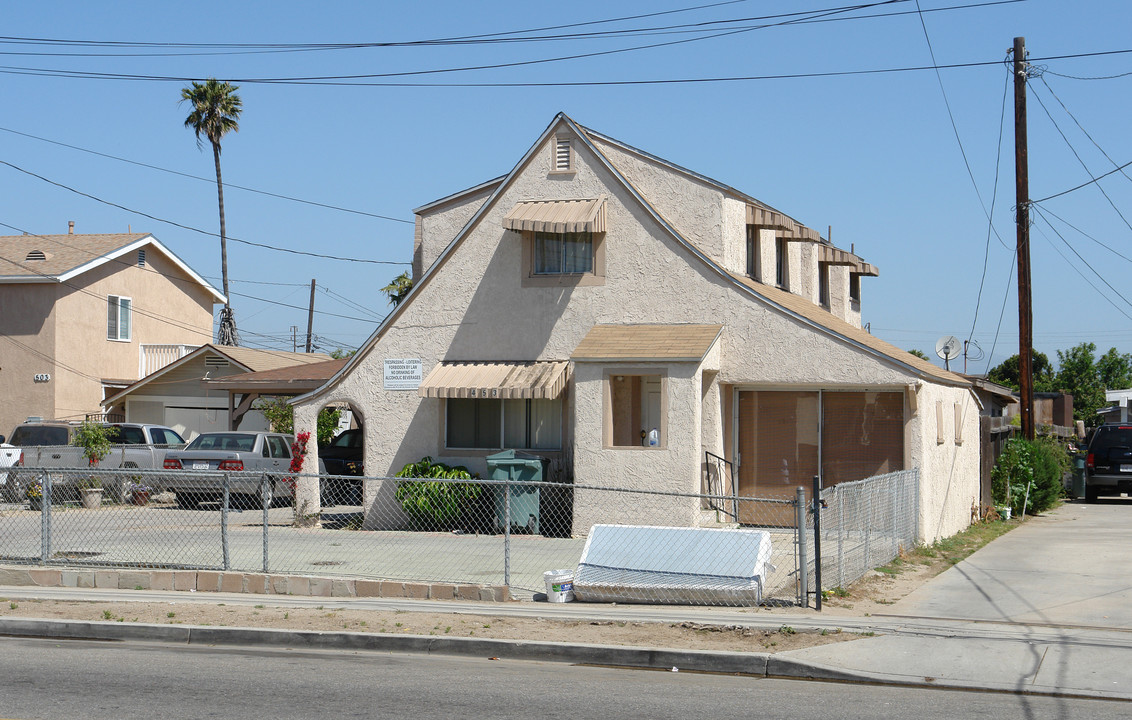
(435, 505)
(1032, 469)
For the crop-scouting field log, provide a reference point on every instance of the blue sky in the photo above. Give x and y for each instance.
(874, 156)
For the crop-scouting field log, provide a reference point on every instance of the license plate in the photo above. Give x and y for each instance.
(204, 466)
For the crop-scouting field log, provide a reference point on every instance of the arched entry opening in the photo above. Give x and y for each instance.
(341, 454)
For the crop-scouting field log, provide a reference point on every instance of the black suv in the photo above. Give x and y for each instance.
(343, 457)
(1108, 465)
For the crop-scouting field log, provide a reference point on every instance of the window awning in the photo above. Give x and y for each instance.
(558, 216)
(837, 256)
(509, 380)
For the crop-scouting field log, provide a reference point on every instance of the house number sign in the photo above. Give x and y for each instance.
(42, 377)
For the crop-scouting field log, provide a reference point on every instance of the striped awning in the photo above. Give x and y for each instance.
(509, 380)
(558, 216)
(837, 256)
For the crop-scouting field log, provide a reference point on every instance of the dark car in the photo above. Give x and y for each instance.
(342, 456)
(1108, 464)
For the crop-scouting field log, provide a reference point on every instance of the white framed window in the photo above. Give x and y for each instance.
(563, 253)
(118, 318)
(489, 424)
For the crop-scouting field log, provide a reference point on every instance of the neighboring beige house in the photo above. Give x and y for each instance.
(201, 392)
(82, 316)
(596, 294)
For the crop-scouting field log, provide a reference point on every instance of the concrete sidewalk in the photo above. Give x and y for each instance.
(1042, 610)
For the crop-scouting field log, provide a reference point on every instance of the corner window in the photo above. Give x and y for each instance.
(563, 253)
(636, 411)
(117, 318)
(517, 424)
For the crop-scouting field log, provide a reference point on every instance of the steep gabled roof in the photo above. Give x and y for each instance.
(247, 359)
(791, 305)
(59, 258)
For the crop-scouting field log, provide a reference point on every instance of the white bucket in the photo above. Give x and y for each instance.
(559, 585)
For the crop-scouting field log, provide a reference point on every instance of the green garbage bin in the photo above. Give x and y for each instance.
(518, 466)
(1078, 476)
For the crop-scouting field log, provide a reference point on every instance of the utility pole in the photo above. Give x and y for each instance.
(294, 338)
(1022, 200)
(310, 317)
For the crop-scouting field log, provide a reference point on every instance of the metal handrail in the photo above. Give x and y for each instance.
(721, 492)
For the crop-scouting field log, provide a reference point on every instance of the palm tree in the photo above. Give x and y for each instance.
(398, 289)
(216, 111)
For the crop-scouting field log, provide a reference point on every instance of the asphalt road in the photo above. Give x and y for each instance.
(69, 679)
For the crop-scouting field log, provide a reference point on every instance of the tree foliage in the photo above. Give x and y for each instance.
(1027, 475)
(920, 354)
(1008, 373)
(281, 416)
(398, 288)
(1078, 375)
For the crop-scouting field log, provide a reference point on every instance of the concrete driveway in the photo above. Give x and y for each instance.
(1069, 567)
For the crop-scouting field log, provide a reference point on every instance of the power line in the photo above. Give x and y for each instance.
(198, 230)
(303, 307)
(204, 179)
(1079, 125)
(512, 36)
(1112, 250)
(1080, 160)
(41, 72)
(1084, 184)
(1091, 268)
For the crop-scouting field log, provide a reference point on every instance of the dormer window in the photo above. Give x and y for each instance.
(781, 264)
(823, 284)
(564, 253)
(563, 155)
(36, 255)
(855, 288)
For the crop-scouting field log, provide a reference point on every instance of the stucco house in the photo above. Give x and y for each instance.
(214, 387)
(629, 319)
(82, 316)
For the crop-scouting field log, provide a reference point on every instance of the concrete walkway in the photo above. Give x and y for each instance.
(1044, 609)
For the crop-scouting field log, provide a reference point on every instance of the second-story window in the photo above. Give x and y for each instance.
(782, 271)
(563, 253)
(823, 284)
(118, 320)
(855, 288)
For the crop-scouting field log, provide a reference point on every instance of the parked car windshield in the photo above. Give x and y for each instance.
(349, 438)
(29, 435)
(223, 441)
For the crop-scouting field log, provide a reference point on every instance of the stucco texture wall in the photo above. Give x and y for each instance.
(28, 323)
(168, 307)
(949, 471)
(473, 306)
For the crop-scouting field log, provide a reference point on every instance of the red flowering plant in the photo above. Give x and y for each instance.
(298, 454)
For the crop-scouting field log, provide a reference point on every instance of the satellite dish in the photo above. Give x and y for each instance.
(948, 347)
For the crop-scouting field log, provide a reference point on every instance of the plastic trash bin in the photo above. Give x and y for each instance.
(1078, 476)
(518, 466)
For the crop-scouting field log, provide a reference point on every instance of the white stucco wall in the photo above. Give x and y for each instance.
(949, 472)
(439, 225)
(474, 307)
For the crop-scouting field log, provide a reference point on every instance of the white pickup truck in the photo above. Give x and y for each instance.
(135, 445)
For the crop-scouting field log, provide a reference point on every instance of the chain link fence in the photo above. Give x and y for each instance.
(487, 532)
(863, 525)
(396, 529)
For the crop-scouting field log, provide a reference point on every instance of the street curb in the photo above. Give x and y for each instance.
(766, 665)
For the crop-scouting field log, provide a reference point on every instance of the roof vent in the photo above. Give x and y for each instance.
(36, 255)
(214, 361)
(141, 258)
